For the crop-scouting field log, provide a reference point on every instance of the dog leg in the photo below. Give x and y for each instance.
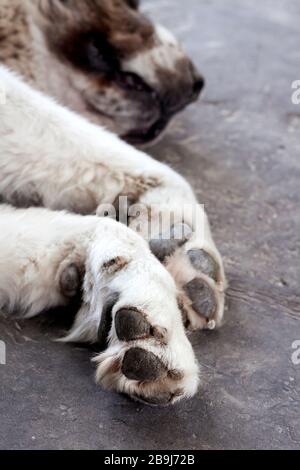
(42, 259)
(54, 158)
(128, 300)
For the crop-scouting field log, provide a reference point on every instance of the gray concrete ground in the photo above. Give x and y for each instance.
(240, 148)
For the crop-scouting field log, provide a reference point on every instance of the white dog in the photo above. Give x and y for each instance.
(105, 61)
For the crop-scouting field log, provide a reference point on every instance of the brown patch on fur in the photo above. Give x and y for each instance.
(160, 334)
(114, 265)
(175, 374)
(143, 184)
(137, 186)
(15, 43)
(125, 30)
(134, 189)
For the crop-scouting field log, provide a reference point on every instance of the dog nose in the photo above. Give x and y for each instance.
(183, 92)
(198, 81)
(198, 86)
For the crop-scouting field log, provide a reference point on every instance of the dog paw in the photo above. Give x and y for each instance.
(144, 349)
(129, 307)
(198, 273)
(142, 358)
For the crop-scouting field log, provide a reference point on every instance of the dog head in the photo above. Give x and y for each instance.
(131, 75)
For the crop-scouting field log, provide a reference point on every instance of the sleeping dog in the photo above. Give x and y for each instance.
(81, 83)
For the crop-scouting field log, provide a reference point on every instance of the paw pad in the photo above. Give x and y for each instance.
(167, 243)
(131, 325)
(202, 296)
(139, 364)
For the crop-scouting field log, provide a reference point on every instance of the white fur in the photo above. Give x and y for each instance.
(77, 166)
(46, 145)
(164, 55)
(37, 244)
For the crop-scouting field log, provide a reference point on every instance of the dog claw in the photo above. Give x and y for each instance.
(211, 325)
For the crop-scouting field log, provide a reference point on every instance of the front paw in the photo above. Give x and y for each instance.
(199, 275)
(129, 304)
(144, 349)
(140, 357)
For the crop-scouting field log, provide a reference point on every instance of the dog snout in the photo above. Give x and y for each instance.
(186, 89)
